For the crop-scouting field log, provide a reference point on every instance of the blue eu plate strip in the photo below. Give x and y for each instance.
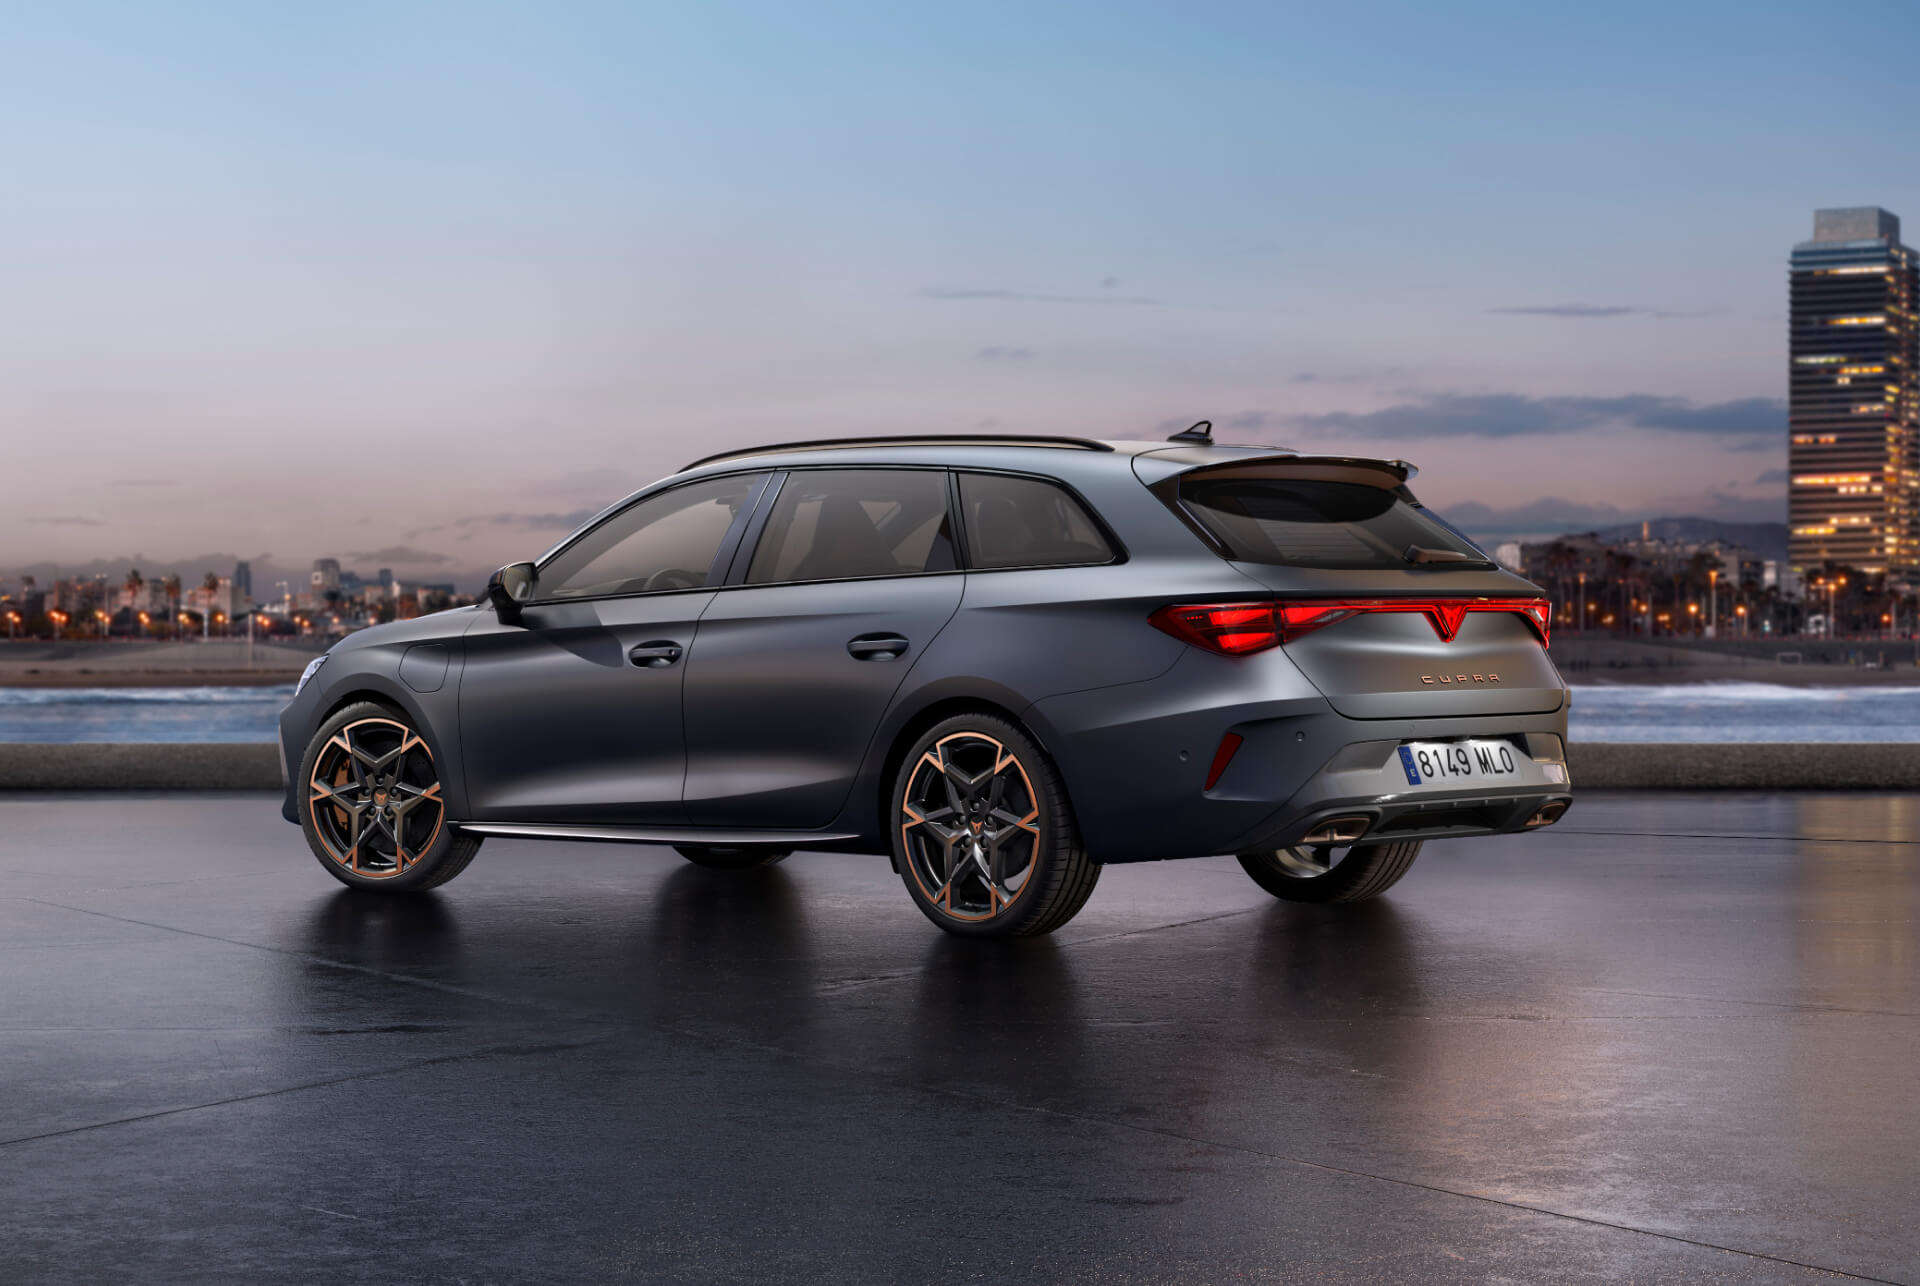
(1406, 761)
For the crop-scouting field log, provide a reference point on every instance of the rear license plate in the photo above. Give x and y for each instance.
(1440, 763)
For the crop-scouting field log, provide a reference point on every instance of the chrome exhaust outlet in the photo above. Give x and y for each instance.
(1338, 830)
(1549, 814)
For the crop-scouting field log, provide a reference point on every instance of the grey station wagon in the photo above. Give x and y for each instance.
(1003, 662)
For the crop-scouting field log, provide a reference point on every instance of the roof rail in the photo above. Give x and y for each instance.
(911, 439)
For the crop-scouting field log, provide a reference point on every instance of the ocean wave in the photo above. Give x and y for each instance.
(275, 695)
(1731, 692)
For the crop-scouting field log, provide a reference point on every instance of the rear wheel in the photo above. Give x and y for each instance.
(983, 834)
(1322, 873)
(374, 814)
(731, 857)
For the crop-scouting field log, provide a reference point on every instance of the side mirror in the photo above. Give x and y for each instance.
(509, 589)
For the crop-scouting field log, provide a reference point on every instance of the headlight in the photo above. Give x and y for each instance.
(313, 667)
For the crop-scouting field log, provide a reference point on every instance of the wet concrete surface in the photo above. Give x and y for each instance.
(1674, 1039)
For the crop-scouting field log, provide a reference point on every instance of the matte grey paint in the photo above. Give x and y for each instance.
(767, 724)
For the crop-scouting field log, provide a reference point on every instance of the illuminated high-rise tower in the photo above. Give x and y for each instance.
(1853, 401)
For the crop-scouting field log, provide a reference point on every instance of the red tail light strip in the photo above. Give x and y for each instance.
(1236, 629)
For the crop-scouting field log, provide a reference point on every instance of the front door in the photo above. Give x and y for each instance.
(792, 669)
(573, 714)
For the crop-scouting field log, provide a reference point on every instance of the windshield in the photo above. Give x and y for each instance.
(1312, 523)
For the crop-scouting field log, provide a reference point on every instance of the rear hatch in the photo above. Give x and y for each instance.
(1386, 609)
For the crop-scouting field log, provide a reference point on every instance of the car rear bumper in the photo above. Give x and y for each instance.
(1137, 761)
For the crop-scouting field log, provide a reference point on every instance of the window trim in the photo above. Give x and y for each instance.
(750, 540)
(722, 559)
(1100, 524)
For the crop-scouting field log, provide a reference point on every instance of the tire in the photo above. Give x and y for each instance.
(373, 812)
(1030, 875)
(1366, 871)
(731, 857)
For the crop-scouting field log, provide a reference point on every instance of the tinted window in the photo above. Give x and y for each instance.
(1302, 523)
(1023, 522)
(666, 542)
(836, 524)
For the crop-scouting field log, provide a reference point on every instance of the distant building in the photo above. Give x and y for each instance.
(326, 575)
(385, 577)
(243, 579)
(1854, 395)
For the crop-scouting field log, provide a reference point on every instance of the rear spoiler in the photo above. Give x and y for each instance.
(1388, 475)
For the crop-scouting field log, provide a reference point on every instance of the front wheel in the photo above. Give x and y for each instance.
(374, 813)
(1321, 873)
(983, 834)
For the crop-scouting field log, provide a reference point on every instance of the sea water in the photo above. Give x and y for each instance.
(141, 714)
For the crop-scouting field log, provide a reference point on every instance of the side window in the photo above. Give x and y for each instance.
(836, 524)
(668, 541)
(1024, 522)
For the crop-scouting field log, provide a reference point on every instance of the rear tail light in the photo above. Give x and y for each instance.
(1236, 629)
(1231, 629)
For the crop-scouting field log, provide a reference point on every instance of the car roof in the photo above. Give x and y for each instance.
(1017, 451)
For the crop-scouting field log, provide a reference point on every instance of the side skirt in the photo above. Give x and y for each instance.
(659, 834)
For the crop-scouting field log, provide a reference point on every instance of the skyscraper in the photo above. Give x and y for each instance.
(243, 578)
(1853, 402)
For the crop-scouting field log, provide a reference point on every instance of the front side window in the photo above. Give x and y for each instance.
(839, 524)
(1299, 522)
(668, 541)
(1024, 522)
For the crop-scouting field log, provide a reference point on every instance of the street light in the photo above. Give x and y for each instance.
(1713, 599)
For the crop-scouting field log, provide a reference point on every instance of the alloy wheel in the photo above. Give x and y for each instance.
(375, 798)
(970, 822)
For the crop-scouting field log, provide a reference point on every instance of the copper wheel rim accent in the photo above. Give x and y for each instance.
(970, 826)
(374, 798)
(1307, 861)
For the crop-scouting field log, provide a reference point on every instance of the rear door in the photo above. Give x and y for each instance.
(1418, 621)
(852, 576)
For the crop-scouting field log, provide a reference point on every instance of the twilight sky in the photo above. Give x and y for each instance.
(416, 284)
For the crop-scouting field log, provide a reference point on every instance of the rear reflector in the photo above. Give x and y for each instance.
(1222, 757)
(1235, 629)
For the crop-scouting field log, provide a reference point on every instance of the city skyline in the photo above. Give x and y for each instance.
(422, 288)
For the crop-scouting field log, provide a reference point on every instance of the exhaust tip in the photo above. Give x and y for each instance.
(1338, 830)
(1549, 814)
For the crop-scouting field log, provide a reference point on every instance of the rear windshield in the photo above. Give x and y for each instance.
(1302, 523)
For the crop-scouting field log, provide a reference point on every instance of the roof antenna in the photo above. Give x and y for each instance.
(1201, 433)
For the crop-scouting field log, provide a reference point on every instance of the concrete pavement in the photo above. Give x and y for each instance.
(1675, 1038)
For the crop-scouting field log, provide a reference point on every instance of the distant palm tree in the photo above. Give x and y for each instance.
(135, 583)
(171, 587)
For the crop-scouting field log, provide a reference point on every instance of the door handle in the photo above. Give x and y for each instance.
(653, 655)
(877, 647)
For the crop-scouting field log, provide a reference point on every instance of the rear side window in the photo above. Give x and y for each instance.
(1024, 522)
(840, 524)
(1311, 523)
